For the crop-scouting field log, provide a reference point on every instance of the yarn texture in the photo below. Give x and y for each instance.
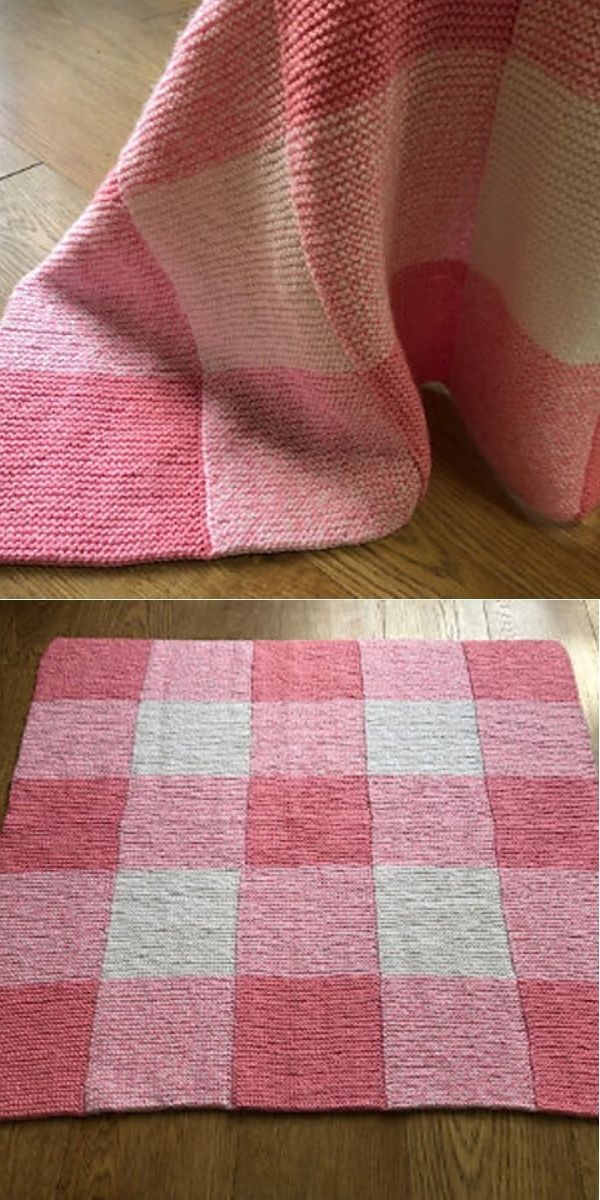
(323, 206)
(300, 875)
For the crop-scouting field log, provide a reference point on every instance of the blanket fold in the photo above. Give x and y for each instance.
(320, 209)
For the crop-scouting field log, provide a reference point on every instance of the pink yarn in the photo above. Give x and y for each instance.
(320, 209)
(300, 875)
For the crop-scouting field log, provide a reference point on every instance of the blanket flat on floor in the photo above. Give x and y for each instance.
(323, 205)
(300, 875)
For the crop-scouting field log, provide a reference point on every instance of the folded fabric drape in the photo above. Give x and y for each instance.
(323, 206)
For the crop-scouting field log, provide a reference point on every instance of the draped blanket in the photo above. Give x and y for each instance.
(323, 205)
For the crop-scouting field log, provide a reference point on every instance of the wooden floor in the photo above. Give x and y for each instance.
(73, 74)
(261, 1156)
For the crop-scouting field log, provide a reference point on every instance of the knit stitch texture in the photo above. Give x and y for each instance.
(300, 875)
(323, 205)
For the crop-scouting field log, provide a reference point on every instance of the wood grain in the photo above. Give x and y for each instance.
(74, 73)
(37, 206)
(13, 158)
(593, 611)
(202, 1155)
(73, 76)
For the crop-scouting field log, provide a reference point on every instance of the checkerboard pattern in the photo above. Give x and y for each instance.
(300, 875)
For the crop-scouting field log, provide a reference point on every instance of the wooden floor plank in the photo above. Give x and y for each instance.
(471, 619)
(73, 75)
(593, 610)
(36, 207)
(201, 1155)
(13, 159)
(422, 619)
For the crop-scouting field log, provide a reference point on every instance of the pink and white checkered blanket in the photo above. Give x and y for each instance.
(324, 204)
(300, 875)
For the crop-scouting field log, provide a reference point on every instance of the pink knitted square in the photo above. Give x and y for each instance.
(414, 670)
(308, 1043)
(306, 671)
(562, 1024)
(291, 738)
(534, 737)
(198, 671)
(552, 920)
(161, 1042)
(77, 739)
(297, 821)
(545, 822)
(193, 821)
(435, 820)
(446, 1043)
(317, 920)
(520, 670)
(120, 455)
(53, 925)
(46, 1031)
(92, 669)
(55, 824)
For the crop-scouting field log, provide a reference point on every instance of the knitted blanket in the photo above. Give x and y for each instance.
(323, 205)
(300, 875)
